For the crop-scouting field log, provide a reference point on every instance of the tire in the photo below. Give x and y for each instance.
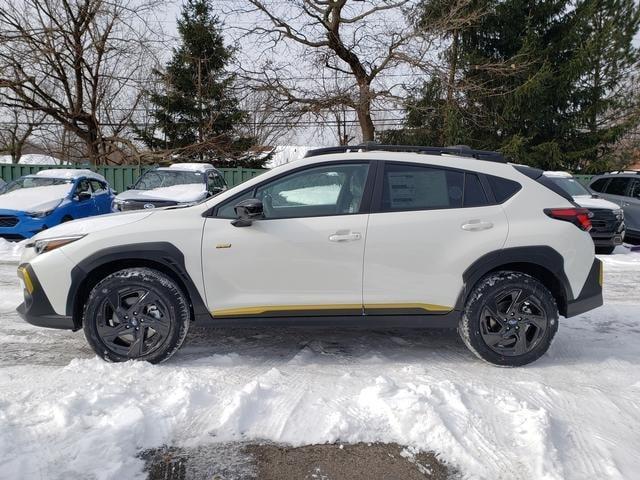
(531, 319)
(605, 250)
(136, 314)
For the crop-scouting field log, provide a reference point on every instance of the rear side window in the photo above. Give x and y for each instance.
(503, 189)
(474, 195)
(618, 186)
(411, 187)
(598, 185)
(635, 189)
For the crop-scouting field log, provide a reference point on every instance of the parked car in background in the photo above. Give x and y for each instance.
(178, 184)
(34, 203)
(374, 236)
(623, 189)
(608, 226)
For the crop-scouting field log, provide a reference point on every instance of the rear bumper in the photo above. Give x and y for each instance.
(591, 295)
(36, 308)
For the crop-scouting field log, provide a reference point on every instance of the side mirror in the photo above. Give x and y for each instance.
(215, 191)
(129, 187)
(247, 211)
(82, 196)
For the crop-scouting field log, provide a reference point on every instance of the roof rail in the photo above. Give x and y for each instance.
(462, 151)
(615, 172)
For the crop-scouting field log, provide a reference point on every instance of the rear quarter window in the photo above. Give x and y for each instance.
(618, 186)
(503, 189)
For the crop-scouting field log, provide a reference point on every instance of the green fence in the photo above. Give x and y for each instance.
(121, 177)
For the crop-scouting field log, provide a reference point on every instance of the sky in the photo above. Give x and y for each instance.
(301, 136)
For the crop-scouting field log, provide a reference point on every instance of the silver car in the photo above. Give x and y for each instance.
(622, 188)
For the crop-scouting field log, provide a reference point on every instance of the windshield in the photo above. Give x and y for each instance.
(32, 182)
(167, 178)
(571, 186)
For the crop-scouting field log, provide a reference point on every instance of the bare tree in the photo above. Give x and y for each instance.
(374, 46)
(16, 128)
(79, 62)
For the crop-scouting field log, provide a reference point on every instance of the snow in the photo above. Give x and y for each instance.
(70, 173)
(189, 167)
(32, 199)
(283, 154)
(572, 415)
(32, 159)
(189, 192)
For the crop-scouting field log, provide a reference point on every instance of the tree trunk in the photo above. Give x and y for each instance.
(364, 113)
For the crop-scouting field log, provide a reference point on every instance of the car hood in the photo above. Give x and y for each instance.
(93, 224)
(191, 192)
(29, 199)
(590, 202)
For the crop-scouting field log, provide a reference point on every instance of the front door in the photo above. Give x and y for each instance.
(304, 257)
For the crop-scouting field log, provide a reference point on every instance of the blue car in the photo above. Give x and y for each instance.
(34, 203)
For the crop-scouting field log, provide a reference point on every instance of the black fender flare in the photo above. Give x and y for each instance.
(159, 254)
(532, 258)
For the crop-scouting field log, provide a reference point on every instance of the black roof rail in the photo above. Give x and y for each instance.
(461, 150)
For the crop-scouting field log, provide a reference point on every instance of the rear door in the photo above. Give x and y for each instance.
(428, 224)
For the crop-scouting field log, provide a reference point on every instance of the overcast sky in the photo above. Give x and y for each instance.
(302, 136)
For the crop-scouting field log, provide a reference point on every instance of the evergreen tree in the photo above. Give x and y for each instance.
(568, 100)
(197, 112)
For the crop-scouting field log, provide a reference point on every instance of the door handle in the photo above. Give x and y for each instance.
(476, 226)
(344, 237)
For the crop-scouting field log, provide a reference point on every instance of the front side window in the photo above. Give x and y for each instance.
(415, 187)
(618, 186)
(598, 185)
(98, 186)
(335, 189)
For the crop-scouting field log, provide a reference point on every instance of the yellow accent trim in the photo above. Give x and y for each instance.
(257, 310)
(223, 245)
(429, 307)
(601, 275)
(28, 284)
(283, 308)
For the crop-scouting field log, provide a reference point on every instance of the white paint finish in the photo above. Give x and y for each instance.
(53, 271)
(94, 225)
(591, 202)
(419, 257)
(283, 262)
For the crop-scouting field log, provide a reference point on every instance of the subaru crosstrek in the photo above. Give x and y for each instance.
(34, 203)
(371, 236)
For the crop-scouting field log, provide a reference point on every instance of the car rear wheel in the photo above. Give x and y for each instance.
(136, 313)
(510, 319)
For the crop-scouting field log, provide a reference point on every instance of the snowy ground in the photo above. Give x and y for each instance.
(574, 414)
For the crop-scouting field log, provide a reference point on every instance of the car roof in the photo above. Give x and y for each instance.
(189, 167)
(68, 173)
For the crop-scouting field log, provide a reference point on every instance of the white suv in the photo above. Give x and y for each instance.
(371, 236)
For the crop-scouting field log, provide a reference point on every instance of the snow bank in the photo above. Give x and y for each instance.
(287, 153)
(572, 415)
(10, 252)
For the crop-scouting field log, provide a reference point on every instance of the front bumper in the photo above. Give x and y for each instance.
(36, 308)
(26, 226)
(591, 295)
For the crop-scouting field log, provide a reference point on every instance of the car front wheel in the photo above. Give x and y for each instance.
(136, 313)
(510, 319)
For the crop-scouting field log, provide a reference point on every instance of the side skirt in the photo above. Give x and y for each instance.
(447, 321)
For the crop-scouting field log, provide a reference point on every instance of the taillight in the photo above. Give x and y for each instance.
(580, 217)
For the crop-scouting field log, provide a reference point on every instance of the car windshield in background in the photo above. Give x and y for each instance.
(32, 182)
(167, 178)
(571, 186)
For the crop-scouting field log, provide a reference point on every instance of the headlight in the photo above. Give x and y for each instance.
(45, 209)
(117, 204)
(619, 214)
(42, 246)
